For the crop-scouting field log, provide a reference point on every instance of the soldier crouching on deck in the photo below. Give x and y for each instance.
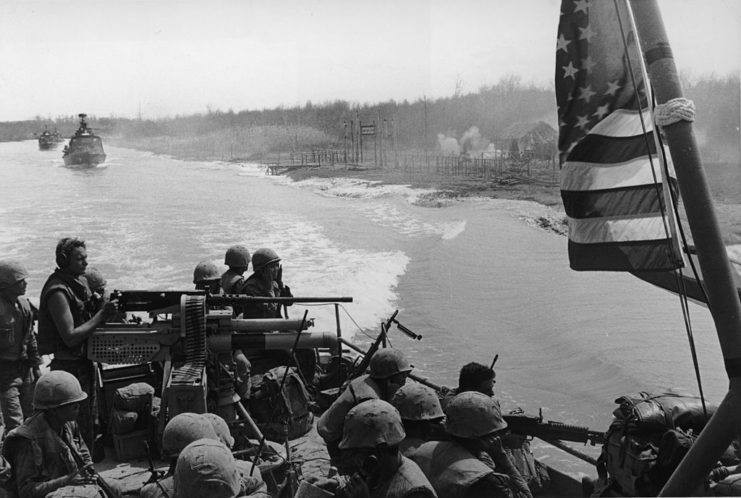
(47, 452)
(19, 355)
(65, 324)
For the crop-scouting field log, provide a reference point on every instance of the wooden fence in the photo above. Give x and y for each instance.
(420, 166)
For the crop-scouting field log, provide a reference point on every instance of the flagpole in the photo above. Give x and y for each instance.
(723, 299)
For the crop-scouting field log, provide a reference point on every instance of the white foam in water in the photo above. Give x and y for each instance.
(330, 270)
(366, 189)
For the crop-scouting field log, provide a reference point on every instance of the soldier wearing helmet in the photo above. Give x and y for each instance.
(65, 323)
(42, 450)
(237, 258)
(371, 457)
(252, 479)
(19, 355)
(265, 281)
(473, 462)
(206, 277)
(182, 430)
(389, 369)
(421, 414)
(206, 468)
(97, 283)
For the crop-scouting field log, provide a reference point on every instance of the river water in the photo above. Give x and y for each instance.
(474, 277)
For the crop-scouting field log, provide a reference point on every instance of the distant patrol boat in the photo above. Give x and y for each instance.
(84, 148)
(46, 140)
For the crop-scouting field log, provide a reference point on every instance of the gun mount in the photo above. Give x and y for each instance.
(193, 335)
(193, 324)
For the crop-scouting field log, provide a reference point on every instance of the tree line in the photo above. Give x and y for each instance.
(411, 125)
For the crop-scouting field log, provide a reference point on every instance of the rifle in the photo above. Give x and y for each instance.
(365, 362)
(88, 469)
(529, 425)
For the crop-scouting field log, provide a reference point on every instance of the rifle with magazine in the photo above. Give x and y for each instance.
(530, 425)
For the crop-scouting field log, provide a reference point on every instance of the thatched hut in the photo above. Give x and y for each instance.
(534, 140)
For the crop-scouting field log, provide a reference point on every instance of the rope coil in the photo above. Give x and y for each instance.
(673, 111)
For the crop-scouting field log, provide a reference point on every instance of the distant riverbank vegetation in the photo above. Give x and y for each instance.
(462, 123)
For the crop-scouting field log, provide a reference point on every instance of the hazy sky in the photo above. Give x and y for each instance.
(167, 57)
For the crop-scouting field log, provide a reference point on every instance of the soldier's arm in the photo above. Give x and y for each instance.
(62, 316)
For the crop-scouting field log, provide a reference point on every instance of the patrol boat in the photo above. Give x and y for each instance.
(84, 148)
(47, 140)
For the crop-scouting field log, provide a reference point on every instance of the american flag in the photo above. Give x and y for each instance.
(610, 178)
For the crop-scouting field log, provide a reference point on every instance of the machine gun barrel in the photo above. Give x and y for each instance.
(222, 343)
(261, 324)
(534, 426)
(242, 299)
(142, 300)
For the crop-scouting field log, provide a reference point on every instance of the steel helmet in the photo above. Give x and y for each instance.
(472, 414)
(95, 279)
(388, 362)
(206, 468)
(371, 424)
(221, 429)
(237, 257)
(183, 429)
(205, 270)
(57, 388)
(417, 402)
(11, 272)
(264, 257)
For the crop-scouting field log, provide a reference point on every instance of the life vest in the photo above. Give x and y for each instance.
(52, 457)
(253, 286)
(450, 467)
(77, 294)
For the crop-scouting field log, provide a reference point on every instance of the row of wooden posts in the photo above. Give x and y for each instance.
(417, 164)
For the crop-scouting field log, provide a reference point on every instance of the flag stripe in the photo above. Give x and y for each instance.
(639, 200)
(590, 176)
(603, 230)
(623, 123)
(601, 149)
(652, 255)
(608, 149)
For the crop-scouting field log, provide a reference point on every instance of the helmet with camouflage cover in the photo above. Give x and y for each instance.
(472, 414)
(205, 270)
(372, 424)
(388, 362)
(237, 257)
(417, 402)
(55, 389)
(95, 279)
(11, 272)
(264, 257)
(183, 429)
(206, 468)
(221, 428)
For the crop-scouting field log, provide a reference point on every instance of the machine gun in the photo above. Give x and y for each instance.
(192, 324)
(529, 425)
(185, 329)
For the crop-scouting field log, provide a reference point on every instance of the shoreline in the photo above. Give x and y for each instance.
(451, 188)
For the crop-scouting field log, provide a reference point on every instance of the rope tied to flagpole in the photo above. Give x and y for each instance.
(674, 111)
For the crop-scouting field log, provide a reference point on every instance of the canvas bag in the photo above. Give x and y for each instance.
(277, 411)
